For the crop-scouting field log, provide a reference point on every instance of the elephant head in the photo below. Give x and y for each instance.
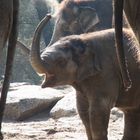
(68, 57)
(74, 17)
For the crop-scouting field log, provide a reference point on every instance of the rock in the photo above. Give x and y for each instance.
(116, 114)
(25, 101)
(65, 107)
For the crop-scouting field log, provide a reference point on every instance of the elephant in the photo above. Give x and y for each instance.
(66, 19)
(88, 62)
(131, 9)
(42, 7)
(8, 33)
(76, 17)
(67, 22)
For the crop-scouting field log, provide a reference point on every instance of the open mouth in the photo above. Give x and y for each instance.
(49, 81)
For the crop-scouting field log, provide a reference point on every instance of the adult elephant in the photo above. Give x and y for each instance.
(73, 17)
(82, 16)
(132, 11)
(77, 17)
(8, 33)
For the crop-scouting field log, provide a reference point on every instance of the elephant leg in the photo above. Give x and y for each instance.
(10, 58)
(132, 125)
(83, 107)
(99, 114)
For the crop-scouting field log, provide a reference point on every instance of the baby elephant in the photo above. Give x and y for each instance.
(88, 62)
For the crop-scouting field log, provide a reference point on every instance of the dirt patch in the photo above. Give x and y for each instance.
(42, 127)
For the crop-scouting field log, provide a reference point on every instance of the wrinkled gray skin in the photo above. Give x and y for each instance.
(88, 62)
(132, 11)
(8, 32)
(76, 17)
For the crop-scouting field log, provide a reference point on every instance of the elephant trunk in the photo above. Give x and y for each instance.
(119, 43)
(35, 59)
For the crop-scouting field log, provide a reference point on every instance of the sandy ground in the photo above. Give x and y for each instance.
(42, 127)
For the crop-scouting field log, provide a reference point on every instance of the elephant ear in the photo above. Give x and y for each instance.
(87, 61)
(88, 18)
(89, 66)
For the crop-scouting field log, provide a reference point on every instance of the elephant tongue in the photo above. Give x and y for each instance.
(48, 80)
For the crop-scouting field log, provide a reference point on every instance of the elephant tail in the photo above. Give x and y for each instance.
(118, 9)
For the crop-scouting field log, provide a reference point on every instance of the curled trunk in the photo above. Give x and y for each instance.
(35, 58)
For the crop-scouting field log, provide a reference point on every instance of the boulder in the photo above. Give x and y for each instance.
(24, 101)
(65, 107)
(116, 114)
